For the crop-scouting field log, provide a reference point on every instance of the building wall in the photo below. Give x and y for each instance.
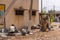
(10, 16)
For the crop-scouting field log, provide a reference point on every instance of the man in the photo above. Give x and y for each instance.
(45, 24)
(12, 28)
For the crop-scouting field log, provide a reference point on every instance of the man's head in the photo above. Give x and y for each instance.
(12, 25)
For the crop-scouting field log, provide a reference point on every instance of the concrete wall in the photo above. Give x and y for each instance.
(10, 16)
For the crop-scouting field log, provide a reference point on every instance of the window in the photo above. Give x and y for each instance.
(33, 12)
(19, 12)
(57, 14)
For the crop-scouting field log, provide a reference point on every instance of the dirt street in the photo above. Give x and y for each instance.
(51, 35)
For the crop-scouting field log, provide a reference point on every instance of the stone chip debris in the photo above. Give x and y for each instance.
(51, 35)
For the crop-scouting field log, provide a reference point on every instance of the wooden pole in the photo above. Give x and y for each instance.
(30, 14)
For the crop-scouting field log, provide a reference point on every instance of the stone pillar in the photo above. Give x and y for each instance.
(37, 18)
(26, 17)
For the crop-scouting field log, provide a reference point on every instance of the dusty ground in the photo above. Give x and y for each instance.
(51, 35)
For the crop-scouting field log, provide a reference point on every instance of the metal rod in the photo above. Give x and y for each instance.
(4, 23)
(41, 13)
(41, 9)
(41, 6)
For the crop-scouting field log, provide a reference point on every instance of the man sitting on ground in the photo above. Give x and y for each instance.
(12, 30)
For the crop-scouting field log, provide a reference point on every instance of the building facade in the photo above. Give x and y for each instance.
(17, 12)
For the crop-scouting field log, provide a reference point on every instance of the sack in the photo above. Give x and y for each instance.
(47, 30)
